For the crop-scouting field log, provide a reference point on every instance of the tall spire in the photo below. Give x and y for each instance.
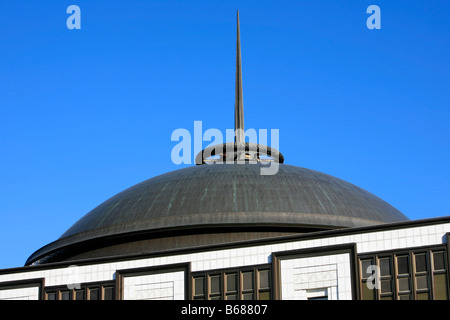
(239, 151)
(238, 102)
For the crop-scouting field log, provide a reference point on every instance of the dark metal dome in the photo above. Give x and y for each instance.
(222, 198)
(219, 203)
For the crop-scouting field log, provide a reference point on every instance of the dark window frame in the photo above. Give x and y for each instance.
(84, 287)
(387, 277)
(256, 290)
(412, 275)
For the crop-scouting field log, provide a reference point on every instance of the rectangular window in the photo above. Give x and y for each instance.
(367, 290)
(51, 296)
(98, 291)
(440, 287)
(79, 294)
(403, 265)
(403, 278)
(439, 267)
(215, 287)
(439, 260)
(248, 283)
(108, 293)
(415, 274)
(422, 279)
(264, 284)
(93, 294)
(66, 295)
(199, 288)
(386, 278)
(231, 289)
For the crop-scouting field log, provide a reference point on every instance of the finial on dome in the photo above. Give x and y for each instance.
(238, 102)
(238, 151)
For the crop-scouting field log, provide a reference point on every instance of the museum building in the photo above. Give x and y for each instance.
(221, 230)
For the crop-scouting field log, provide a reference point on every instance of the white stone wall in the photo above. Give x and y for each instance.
(161, 286)
(373, 241)
(299, 276)
(28, 293)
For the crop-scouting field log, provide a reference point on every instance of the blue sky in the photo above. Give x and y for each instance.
(88, 113)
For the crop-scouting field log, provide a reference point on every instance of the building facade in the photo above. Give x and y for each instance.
(411, 258)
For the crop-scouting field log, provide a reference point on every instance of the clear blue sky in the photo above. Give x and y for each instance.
(87, 113)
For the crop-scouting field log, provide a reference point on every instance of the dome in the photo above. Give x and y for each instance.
(218, 203)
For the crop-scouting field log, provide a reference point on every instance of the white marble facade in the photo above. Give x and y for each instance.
(325, 273)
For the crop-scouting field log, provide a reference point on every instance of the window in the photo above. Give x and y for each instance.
(199, 288)
(386, 278)
(99, 291)
(250, 283)
(247, 285)
(231, 286)
(317, 294)
(421, 270)
(403, 277)
(264, 284)
(439, 275)
(214, 285)
(366, 277)
(416, 274)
